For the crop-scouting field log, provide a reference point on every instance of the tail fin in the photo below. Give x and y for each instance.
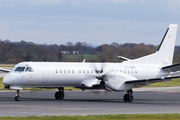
(165, 52)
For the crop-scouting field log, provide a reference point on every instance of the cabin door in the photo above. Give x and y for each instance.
(45, 74)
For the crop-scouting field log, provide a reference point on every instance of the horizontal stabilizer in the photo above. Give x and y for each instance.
(172, 68)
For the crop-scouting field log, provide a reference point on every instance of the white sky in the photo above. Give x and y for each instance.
(92, 21)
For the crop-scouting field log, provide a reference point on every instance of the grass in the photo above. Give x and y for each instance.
(85, 56)
(172, 83)
(1, 84)
(7, 65)
(101, 117)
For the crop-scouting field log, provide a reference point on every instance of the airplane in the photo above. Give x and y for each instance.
(156, 67)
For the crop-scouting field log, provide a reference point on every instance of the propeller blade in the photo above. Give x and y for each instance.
(100, 77)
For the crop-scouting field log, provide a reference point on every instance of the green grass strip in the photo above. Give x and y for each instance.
(101, 117)
(11, 66)
(1, 84)
(172, 83)
(86, 56)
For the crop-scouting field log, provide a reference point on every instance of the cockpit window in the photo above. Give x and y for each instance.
(28, 69)
(20, 69)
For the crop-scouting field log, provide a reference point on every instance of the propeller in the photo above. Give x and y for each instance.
(99, 75)
(99, 70)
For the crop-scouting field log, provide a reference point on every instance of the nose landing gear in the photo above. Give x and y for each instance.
(129, 96)
(17, 98)
(59, 95)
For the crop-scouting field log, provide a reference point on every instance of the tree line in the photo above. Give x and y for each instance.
(15, 52)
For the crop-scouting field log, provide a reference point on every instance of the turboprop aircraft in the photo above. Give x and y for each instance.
(118, 77)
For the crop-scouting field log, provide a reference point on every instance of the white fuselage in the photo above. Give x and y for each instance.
(61, 74)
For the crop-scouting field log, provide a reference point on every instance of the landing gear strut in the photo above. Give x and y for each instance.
(17, 98)
(59, 95)
(129, 96)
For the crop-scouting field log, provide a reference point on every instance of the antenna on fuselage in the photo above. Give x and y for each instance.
(84, 60)
(123, 58)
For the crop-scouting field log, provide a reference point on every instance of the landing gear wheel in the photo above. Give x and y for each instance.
(59, 95)
(17, 98)
(126, 98)
(129, 96)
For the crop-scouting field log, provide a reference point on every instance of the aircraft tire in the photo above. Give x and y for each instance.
(130, 97)
(126, 98)
(17, 98)
(57, 94)
(61, 96)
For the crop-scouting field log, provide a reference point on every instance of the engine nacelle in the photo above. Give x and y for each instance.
(116, 81)
(89, 82)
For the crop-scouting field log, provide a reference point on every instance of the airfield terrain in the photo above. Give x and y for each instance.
(38, 103)
(87, 102)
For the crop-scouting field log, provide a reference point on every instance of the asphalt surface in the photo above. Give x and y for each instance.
(88, 102)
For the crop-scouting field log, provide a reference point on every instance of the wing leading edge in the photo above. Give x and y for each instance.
(4, 70)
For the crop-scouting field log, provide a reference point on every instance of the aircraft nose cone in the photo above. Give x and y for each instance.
(7, 80)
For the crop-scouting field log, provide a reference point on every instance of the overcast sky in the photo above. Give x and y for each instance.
(92, 21)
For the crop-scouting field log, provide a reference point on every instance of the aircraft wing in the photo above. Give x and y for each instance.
(152, 80)
(4, 70)
(172, 68)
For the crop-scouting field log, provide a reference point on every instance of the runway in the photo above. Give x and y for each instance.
(87, 102)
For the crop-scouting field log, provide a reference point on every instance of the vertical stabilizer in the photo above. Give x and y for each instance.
(164, 54)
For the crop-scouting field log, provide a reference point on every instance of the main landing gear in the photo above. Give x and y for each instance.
(59, 95)
(129, 96)
(17, 98)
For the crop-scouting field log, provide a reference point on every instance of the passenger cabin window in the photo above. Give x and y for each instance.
(28, 69)
(20, 69)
